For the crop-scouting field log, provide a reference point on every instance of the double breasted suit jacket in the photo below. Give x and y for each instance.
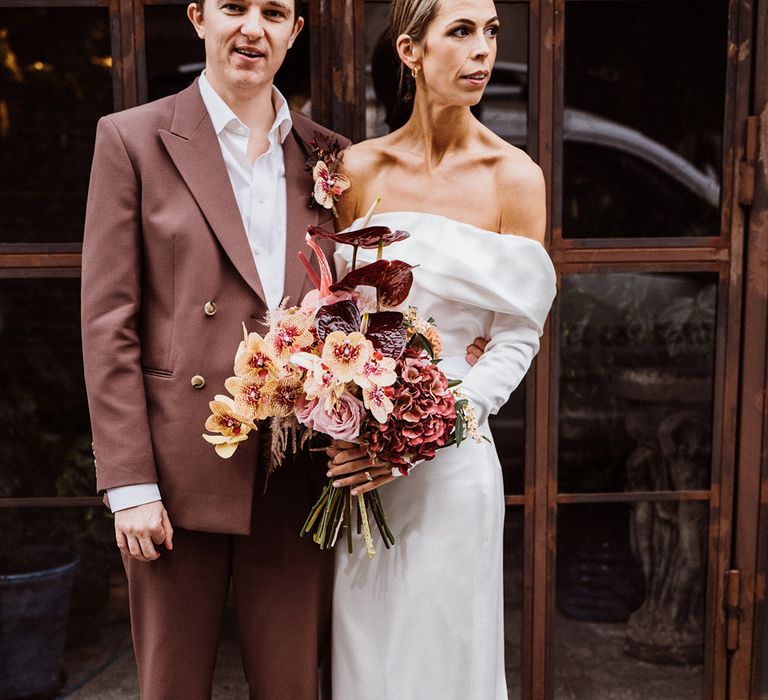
(168, 279)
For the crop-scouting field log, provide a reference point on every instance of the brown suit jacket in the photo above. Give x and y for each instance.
(163, 237)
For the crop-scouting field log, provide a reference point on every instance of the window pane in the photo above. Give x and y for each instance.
(630, 594)
(45, 443)
(508, 429)
(644, 94)
(504, 105)
(636, 381)
(171, 71)
(513, 599)
(55, 82)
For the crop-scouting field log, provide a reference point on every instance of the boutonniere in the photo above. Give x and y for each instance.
(326, 154)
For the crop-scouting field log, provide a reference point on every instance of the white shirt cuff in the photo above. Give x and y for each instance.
(131, 496)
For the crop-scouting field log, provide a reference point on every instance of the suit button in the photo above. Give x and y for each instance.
(198, 382)
(209, 308)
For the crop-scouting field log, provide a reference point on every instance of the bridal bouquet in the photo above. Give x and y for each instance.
(349, 366)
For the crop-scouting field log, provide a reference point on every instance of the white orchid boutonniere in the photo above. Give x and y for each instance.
(326, 154)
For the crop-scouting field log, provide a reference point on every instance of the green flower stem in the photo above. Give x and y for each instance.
(337, 512)
(375, 509)
(348, 520)
(316, 510)
(386, 532)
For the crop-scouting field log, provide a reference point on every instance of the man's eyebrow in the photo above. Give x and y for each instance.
(277, 3)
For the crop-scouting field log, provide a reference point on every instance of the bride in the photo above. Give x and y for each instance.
(424, 619)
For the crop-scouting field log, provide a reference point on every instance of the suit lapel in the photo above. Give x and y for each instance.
(298, 188)
(194, 148)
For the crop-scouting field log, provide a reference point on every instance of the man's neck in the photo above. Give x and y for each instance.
(254, 108)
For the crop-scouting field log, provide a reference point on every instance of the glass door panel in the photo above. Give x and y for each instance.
(55, 83)
(644, 94)
(636, 381)
(629, 617)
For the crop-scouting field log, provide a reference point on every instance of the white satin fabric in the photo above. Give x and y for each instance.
(423, 621)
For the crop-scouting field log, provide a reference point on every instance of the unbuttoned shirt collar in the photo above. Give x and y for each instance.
(223, 117)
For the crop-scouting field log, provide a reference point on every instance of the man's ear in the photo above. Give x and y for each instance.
(195, 15)
(297, 27)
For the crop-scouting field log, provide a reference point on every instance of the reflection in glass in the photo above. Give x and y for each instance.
(621, 626)
(642, 126)
(504, 105)
(636, 354)
(508, 428)
(171, 71)
(513, 599)
(44, 428)
(55, 82)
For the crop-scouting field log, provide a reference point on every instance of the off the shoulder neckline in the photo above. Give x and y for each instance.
(453, 221)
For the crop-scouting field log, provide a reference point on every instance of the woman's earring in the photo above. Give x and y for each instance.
(414, 72)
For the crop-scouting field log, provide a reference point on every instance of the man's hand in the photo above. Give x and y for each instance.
(139, 529)
(475, 350)
(350, 465)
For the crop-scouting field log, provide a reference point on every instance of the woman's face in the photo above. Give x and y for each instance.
(457, 52)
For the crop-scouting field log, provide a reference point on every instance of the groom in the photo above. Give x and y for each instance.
(196, 211)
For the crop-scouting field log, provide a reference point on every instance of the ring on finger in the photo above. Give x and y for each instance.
(368, 476)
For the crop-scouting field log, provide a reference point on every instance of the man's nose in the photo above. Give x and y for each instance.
(253, 25)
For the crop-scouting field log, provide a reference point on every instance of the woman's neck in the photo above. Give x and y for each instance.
(438, 130)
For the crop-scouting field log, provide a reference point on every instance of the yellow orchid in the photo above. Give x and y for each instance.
(282, 394)
(231, 426)
(254, 358)
(345, 355)
(290, 333)
(251, 400)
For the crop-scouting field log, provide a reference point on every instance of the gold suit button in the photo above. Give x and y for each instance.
(198, 381)
(209, 308)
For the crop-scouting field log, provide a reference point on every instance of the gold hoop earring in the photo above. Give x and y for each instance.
(414, 72)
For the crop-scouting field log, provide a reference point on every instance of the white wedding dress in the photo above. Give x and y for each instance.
(423, 621)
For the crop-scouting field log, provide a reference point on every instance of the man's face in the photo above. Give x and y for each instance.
(245, 40)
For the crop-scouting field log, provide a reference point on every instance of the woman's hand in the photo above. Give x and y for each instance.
(475, 350)
(350, 466)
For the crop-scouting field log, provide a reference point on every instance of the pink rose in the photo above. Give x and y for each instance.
(341, 423)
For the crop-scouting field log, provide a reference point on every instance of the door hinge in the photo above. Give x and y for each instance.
(747, 169)
(732, 605)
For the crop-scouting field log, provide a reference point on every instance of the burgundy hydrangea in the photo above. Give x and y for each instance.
(423, 418)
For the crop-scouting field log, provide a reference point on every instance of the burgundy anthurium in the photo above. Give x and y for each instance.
(391, 278)
(368, 237)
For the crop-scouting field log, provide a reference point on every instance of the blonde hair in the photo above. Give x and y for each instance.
(411, 17)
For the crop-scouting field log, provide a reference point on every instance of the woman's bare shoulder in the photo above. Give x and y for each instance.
(522, 194)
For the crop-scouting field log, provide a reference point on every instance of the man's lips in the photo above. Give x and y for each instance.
(249, 52)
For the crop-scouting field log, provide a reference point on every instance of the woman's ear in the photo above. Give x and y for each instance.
(408, 51)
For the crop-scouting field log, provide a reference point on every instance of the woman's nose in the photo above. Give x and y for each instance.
(481, 49)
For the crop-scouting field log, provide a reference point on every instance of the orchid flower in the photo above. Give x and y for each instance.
(328, 186)
(232, 427)
(377, 402)
(251, 400)
(254, 358)
(291, 332)
(346, 355)
(377, 371)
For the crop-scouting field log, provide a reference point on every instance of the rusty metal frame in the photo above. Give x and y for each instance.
(750, 555)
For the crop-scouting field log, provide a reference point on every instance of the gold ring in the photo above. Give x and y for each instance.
(368, 476)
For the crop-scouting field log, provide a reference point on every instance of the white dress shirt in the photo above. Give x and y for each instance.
(260, 192)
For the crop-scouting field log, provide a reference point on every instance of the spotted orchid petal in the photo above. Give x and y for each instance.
(345, 355)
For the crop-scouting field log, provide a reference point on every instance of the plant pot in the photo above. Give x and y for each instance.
(34, 608)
